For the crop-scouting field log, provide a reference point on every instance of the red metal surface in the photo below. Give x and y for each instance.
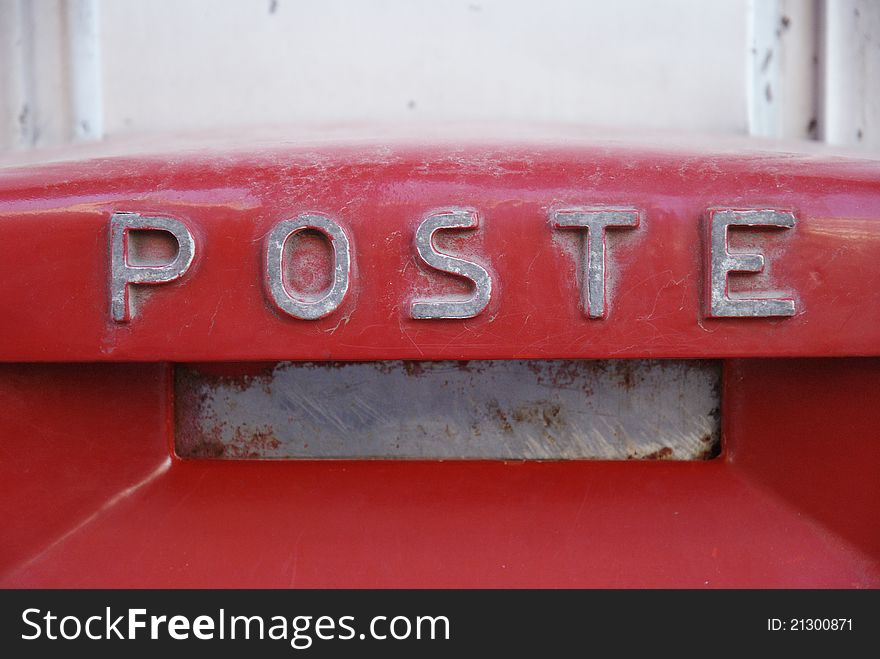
(92, 495)
(90, 499)
(54, 254)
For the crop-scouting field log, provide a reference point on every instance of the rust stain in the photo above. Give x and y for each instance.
(660, 454)
(413, 368)
(712, 449)
(253, 444)
(503, 421)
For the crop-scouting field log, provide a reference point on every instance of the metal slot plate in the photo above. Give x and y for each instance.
(502, 409)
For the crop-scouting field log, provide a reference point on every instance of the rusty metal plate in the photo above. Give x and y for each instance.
(507, 410)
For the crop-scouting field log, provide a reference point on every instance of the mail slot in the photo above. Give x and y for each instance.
(494, 409)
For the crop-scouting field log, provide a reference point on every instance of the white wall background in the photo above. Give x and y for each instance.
(82, 69)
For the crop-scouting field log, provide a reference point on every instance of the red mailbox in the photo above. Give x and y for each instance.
(378, 362)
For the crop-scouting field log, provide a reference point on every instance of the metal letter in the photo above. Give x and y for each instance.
(122, 273)
(323, 306)
(723, 262)
(595, 221)
(431, 309)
